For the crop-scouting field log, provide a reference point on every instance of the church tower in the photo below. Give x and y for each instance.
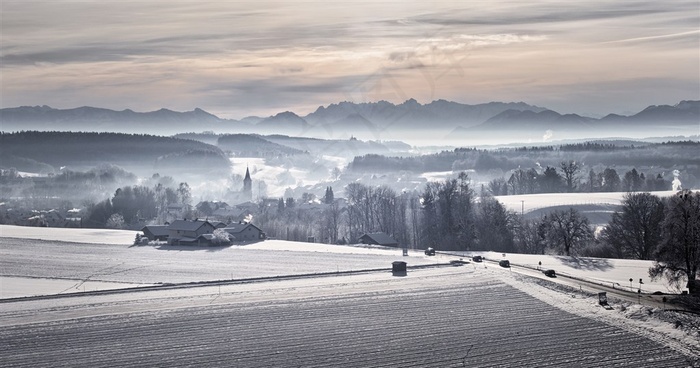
(247, 184)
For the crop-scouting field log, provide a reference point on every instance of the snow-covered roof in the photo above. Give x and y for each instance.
(185, 225)
(380, 238)
(156, 230)
(238, 227)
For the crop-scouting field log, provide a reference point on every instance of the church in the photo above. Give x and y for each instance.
(245, 194)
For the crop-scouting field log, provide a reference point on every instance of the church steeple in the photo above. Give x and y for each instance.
(247, 183)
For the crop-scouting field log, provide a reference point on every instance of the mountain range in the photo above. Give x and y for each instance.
(356, 119)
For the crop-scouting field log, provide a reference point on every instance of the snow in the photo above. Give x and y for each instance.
(467, 302)
(608, 272)
(92, 236)
(531, 202)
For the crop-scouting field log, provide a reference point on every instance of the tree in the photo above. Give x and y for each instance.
(635, 231)
(493, 226)
(116, 221)
(678, 256)
(550, 181)
(220, 237)
(205, 208)
(328, 197)
(568, 230)
(632, 182)
(610, 180)
(530, 237)
(184, 193)
(595, 181)
(570, 169)
(498, 187)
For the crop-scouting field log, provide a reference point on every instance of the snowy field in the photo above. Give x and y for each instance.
(477, 314)
(93, 236)
(530, 202)
(439, 317)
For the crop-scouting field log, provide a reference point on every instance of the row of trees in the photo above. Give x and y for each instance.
(449, 215)
(136, 205)
(567, 179)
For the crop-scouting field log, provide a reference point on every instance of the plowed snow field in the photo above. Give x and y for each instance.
(449, 317)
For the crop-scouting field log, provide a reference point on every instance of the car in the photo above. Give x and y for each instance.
(430, 252)
(504, 263)
(549, 273)
(477, 258)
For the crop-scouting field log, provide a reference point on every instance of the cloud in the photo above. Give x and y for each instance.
(268, 55)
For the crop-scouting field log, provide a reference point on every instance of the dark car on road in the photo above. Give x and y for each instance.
(477, 258)
(549, 273)
(430, 252)
(504, 263)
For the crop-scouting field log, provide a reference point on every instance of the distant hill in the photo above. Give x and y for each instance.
(248, 145)
(410, 114)
(682, 118)
(141, 154)
(338, 147)
(547, 119)
(683, 112)
(369, 121)
(284, 122)
(104, 120)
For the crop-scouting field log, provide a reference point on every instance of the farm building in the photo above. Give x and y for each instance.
(156, 232)
(245, 232)
(379, 239)
(184, 231)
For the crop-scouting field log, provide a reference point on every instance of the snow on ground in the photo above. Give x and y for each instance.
(531, 202)
(500, 296)
(93, 236)
(609, 272)
(14, 287)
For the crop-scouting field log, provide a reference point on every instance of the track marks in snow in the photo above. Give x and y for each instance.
(455, 320)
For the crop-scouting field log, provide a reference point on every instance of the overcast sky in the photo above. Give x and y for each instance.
(240, 58)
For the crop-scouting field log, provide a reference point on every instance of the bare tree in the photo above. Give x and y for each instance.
(635, 231)
(568, 230)
(570, 169)
(678, 256)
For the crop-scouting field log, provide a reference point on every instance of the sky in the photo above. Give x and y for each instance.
(241, 58)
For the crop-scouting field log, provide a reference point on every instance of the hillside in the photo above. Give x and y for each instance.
(682, 118)
(248, 145)
(136, 153)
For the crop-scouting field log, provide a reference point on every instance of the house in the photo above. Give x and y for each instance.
(156, 232)
(184, 231)
(245, 232)
(379, 239)
(178, 210)
(205, 239)
(218, 224)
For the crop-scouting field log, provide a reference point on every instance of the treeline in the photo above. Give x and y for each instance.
(91, 149)
(567, 177)
(67, 186)
(662, 157)
(449, 215)
(134, 206)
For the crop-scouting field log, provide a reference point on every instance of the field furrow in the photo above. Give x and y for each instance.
(475, 322)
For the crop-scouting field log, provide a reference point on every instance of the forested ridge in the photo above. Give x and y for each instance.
(660, 155)
(91, 149)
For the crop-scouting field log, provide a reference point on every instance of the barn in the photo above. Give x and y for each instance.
(379, 239)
